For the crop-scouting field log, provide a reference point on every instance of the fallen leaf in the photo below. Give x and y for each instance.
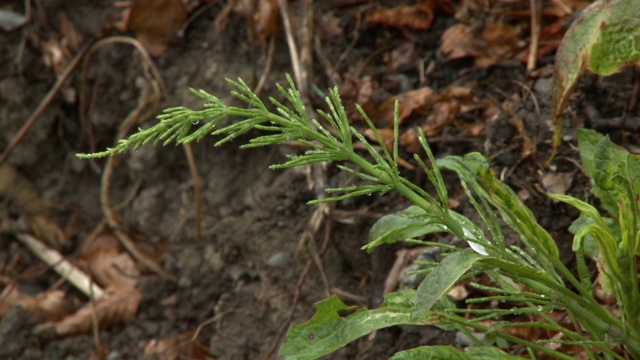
(403, 55)
(416, 17)
(119, 306)
(358, 91)
(45, 306)
(414, 101)
(385, 134)
(459, 42)
(156, 23)
(71, 37)
(441, 115)
(20, 191)
(266, 18)
(177, 347)
(501, 39)
(557, 183)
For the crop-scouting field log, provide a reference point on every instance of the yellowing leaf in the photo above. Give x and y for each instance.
(603, 39)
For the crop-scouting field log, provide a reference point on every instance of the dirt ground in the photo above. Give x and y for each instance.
(241, 276)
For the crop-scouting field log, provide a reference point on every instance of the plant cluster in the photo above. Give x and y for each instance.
(532, 276)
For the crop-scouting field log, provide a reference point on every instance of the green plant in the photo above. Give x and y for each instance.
(603, 39)
(532, 278)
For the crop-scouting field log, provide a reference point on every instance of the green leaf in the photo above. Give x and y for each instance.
(441, 279)
(332, 327)
(474, 169)
(447, 352)
(406, 224)
(604, 38)
(594, 153)
(604, 164)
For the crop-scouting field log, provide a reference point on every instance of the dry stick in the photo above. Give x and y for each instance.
(267, 66)
(63, 267)
(108, 212)
(110, 40)
(536, 7)
(133, 118)
(196, 188)
(45, 102)
(293, 50)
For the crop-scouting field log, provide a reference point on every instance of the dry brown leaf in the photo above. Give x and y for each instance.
(48, 231)
(498, 42)
(557, 183)
(459, 42)
(414, 101)
(105, 259)
(441, 115)
(385, 134)
(409, 140)
(266, 18)
(416, 17)
(122, 304)
(156, 23)
(360, 92)
(20, 191)
(403, 55)
(45, 306)
(328, 26)
(177, 347)
(71, 37)
(501, 39)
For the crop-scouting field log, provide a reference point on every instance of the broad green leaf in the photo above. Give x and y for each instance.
(432, 353)
(333, 327)
(450, 353)
(604, 38)
(604, 164)
(441, 279)
(592, 146)
(414, 221)
(406, 224)
(474, 169)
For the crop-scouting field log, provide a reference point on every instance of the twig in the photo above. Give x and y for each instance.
(138, 115)
(63, 267)
(45, 102)
(196, 188)
(536, 7)
(98, 44)
(267, 66)
(293, 49)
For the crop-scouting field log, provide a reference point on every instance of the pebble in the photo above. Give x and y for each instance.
(278, 260)
(542, 86)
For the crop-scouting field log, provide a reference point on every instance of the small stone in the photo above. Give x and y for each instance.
(463, 340)
(542, 86)
(278, 260)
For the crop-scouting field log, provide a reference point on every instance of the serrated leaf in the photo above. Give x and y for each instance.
(604, 38)
(330, 329)
(441, 279)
